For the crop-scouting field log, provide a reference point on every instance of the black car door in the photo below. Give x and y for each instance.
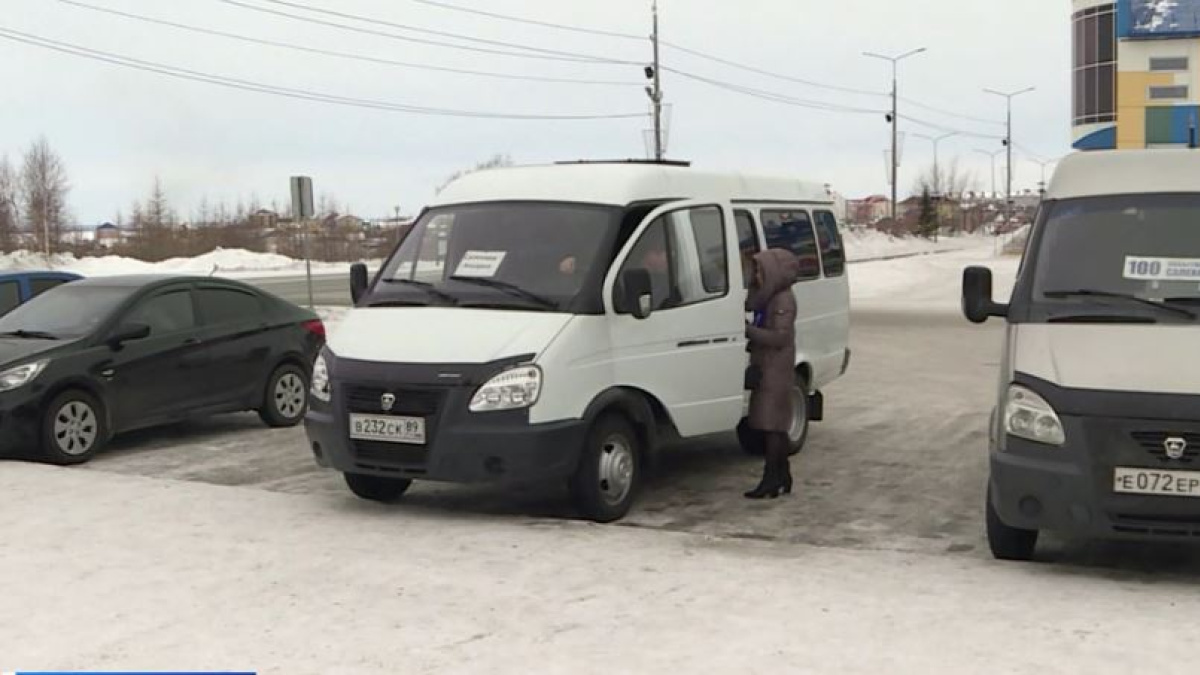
(237, 344)
(162, 376)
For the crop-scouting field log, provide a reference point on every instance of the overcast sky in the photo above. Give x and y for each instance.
(117, 128)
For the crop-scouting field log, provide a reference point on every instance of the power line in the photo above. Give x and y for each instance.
(944, 128)
(772, 96)
(949, 113)
(528, 52)
(712, 58)
(343, 55)
(767, 73)
(302, 94)
(530, 22)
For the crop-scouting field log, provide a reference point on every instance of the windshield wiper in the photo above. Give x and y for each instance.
(30, 334)
(510, 288)
(1092, 293)
(1186, 300)
(425, 286)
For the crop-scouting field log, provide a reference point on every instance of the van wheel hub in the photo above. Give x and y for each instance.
(616, 469)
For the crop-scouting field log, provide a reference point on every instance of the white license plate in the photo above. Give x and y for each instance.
(388, 429)
(1156, 482)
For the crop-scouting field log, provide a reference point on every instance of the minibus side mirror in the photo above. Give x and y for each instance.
(358, 281)
(637, 294)
(977, 303)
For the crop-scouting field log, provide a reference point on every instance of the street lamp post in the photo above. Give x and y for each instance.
(895, 116)
(1043, 164)
(1008, 144)
(936, 140)
(993, 155)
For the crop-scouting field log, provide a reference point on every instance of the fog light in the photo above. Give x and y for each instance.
(1030, 507)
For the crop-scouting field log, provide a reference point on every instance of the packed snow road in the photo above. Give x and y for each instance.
(900, 463)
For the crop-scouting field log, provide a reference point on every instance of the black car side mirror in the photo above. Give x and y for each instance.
(637, 293)
(128, 333)
(358, 281)
(977, 303)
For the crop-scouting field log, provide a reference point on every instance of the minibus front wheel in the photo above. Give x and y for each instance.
(609, 475)
(1008, 543)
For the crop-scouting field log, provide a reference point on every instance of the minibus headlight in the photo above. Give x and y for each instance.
(1029, 416)
(321, 387)
(513, 389)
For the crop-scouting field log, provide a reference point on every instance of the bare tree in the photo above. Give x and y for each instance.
(9, 215)
(495, 162)
(945, 180)
(44, 190)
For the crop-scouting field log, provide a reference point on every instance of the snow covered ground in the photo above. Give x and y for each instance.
(103, 571)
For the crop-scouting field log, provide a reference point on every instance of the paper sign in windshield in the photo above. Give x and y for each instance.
(1162, 269)
(480, 264)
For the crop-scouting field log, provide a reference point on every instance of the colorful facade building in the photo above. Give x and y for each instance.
(1136, 74)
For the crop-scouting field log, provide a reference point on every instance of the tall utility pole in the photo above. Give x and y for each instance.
(894, 118)
(655, 91)
(993, 155)
(1008, 145)
(937, 174)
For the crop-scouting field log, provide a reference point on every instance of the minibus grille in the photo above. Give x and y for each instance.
(368, 399)
(1155, 443)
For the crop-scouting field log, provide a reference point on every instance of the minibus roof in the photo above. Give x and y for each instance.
(1123, 172)
(622, 183)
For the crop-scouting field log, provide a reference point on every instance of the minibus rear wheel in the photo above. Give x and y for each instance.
(609, 475)
(1008, 543)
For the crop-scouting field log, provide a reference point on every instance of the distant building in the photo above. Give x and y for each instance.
(868, 211)
(1136, 79)
(107, 235)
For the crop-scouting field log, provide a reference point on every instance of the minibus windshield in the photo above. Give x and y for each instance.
(528, 256)
(1140, 249)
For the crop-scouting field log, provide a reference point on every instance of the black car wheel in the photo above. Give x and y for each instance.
(376, 488)
(1008, 543)
(73, 428)
(607, 481)
(286, 397)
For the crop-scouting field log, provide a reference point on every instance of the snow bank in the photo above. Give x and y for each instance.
(927, 283)
(860, 245)
(226, 262)
(864, 245)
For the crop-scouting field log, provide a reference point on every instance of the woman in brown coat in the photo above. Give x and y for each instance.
(772, 337)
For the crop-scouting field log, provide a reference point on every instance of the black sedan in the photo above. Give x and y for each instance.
(98, 357)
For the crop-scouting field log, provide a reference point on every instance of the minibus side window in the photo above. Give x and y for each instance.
(833, 255)
(686, 262)
(708, 235)
(748, 244)
(792, 230)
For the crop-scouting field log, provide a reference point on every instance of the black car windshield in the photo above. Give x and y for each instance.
(535, 256)
(68, 311)
(1121, 251)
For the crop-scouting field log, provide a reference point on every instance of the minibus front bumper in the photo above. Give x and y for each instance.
(460, 446)
(1071, 490)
